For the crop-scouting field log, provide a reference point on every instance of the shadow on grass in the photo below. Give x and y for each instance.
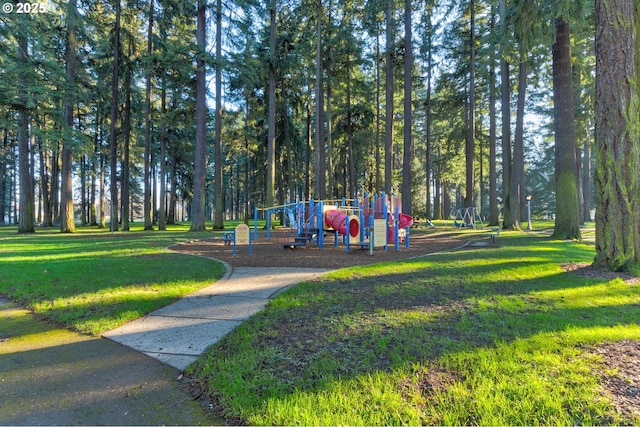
(389, 317)
(52, 376)
(93, 283)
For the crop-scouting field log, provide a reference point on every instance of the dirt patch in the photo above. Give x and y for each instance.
(430, 381)
(620, 376)
(585, 269)
(271, 253)
(620, 372)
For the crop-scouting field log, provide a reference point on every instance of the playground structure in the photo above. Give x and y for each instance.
(466, 218)
(367, 222)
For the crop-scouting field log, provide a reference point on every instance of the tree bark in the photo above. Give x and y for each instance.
(162, 211)
(469, 199)
(200, 161)
(493, 172)
(321, 184)
(4, 160)
(517, 169)
(586, 182)
(507, 216)
(567, 222)
(218, 219)
(126, 134)
(353, 182)
(407, 173)
(617, 189)
(389, 92)
(378, 186)
(147, 201)
(113, 137)
(67, 217)
(27, 204)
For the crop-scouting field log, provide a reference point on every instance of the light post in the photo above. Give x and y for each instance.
(529, 197)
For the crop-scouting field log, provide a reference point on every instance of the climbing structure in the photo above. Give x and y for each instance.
(354, 221)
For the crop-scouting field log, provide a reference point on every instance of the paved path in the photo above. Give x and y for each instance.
(179, 333)
(53, 376)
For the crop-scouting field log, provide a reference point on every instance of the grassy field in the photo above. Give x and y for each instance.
(497, 335)
(482, 336)
(94, 280)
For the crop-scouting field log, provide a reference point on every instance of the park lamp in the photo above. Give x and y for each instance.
(529, 197)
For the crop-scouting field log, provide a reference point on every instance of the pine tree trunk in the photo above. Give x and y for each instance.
(162, 211)
(379, 185)
(218, 219)
(47, 218)
(197, 214)
(171, 206)
(147, 200)
(407, 173)
(353, 182)
(517, 171)
(321, 183)
(469, 199)
(4, 160)
(126, 131)
(429, 211)
(113, 137)
(27, 203)
(586, 182)
(67, 217)
(102, 222)
(507, 216)
(389, 92)
(567, 223)
(493, 172)
(617, 174)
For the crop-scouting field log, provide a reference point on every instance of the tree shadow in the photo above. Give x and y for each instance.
(347, 328)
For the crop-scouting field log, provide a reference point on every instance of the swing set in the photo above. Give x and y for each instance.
(466, 218)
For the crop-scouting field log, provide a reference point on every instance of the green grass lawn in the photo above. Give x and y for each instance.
(94, 280)
(487, 336)
(491, 336)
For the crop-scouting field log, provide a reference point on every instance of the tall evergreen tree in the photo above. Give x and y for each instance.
(218, 220)
(271, 133)
(147, 201)
(67, 221)
(26, 214)
(389, 95)
(470, 146)
(507, 207)
(407, 173)
(493, 170)
(567, 222)
(200, 152)
(113, 137)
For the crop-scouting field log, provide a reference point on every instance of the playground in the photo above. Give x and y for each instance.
(271, 252)
(327, 234)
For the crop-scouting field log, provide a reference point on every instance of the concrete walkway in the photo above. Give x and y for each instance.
(179, 333)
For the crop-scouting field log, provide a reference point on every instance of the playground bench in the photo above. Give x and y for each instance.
(495, 234)
(227, 237)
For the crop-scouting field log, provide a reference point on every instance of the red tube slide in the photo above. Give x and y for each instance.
(404, 220)
(338, 221)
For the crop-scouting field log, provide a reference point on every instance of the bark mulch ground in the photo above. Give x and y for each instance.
(271, 253)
